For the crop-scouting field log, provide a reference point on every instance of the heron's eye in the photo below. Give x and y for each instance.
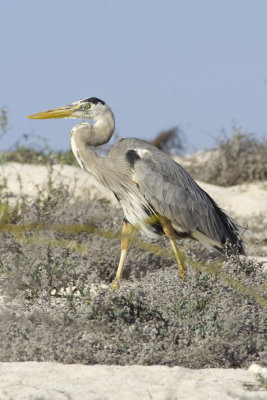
(87, 105)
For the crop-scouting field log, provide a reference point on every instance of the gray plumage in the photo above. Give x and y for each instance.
(173, 193)
(146, 181)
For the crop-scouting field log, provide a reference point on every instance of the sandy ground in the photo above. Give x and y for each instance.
(32, 380)
(33, 180)
(246, 200)
(47, 381)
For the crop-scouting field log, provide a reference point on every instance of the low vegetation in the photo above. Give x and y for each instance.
(239, 159)
(57, 259)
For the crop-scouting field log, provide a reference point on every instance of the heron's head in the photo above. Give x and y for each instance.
(91, 108)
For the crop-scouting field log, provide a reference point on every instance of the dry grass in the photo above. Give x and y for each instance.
(242, 158)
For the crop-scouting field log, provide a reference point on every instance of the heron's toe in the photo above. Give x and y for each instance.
(115, 284)
(182, 276)
(182, 272)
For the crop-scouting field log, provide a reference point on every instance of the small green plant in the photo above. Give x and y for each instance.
(191, 307)
(4, 121)
(8, 214)
(262, 380)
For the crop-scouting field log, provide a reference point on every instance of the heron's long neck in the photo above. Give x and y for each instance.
(84, 137)
(103, 129)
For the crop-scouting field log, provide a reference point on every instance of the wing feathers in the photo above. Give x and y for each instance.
(174, 194)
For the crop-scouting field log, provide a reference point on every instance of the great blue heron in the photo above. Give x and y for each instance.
(156, 194)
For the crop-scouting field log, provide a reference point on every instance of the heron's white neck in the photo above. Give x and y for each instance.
(85, 136)
(103, 128)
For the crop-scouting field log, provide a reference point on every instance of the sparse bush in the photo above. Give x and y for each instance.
(242, 158)
(4, 121)
(170, 141)
(30, 155)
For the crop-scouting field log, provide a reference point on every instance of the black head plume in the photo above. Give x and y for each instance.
(93, 100)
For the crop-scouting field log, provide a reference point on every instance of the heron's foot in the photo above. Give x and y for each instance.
(115, 284)
(182, 272)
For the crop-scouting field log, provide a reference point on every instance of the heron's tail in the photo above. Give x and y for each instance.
(234, 243)
(230, 233)
(221, 231)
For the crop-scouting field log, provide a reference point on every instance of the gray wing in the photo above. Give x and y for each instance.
(174, 194)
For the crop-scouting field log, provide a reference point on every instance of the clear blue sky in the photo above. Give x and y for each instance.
(196, 64)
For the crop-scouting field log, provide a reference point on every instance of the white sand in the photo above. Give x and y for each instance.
(34, 180)
(244, 200)
(53, 381)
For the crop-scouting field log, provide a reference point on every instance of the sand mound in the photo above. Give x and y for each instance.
(244, 200)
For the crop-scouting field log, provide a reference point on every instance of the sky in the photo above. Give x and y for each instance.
(198, 65)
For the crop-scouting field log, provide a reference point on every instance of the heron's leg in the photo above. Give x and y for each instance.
(126, 235)
(169, 232)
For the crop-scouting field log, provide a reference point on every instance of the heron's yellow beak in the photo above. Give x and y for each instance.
(62, 112)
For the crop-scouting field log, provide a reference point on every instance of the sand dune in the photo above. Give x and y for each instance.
(29, 180)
